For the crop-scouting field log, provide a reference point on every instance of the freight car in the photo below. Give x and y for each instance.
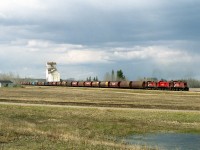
(125, 84)
(88, 84)
(114, 84)
(95, 84)
(152, 85)
(137, 84)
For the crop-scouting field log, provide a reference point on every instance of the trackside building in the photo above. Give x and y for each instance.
(6, 83)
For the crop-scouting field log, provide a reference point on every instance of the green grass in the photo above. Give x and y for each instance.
(51, 127)
(25, 127)
(104, 97)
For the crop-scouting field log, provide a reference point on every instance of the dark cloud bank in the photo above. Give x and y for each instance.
(155, 38)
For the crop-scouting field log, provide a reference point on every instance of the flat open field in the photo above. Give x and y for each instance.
(122, 98)
(91, 118)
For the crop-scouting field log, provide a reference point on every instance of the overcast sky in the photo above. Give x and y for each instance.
(144, 38)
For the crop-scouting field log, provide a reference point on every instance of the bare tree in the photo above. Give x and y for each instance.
(15, 78)
(113, 75)
(107, 77)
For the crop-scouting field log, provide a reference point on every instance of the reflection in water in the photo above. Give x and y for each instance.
(167, 141)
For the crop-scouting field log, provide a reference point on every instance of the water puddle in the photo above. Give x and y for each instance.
(167, 141)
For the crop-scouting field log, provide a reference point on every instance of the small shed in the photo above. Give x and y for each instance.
(6, 83)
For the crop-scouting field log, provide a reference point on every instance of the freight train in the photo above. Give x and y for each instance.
(151, 85)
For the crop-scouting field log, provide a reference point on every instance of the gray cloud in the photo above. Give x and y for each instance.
(143, 38)
(114, 21)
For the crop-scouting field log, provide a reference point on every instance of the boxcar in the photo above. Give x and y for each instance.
(81, 83)
(58, 83)
(137, 84)
(63, 83)
(114, 84)
(54, 83)
(69, 83)
(104, 84)
(125, 84)
(88, 84)
(46, 83)
(74, 83)
(95, 84)
(40, 83)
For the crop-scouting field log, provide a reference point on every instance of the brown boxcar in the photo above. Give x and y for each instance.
(46, 83)
(63, 83)
(137, 84)
(40, 83)
(74, 83)
(54, 83)
(104, 84)
(95, 84)
(69, 83)
(81, 83)
(125, 84)
(50, 83)
(58, 83)
(88, 84)
(114, 84)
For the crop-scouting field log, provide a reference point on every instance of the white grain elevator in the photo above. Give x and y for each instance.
(52, 74)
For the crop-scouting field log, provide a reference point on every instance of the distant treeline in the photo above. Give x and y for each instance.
(11, 77)
(16, 79)
(115, 76)
(193, 83)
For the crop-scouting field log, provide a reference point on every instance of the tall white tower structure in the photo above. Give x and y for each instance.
(52, 75)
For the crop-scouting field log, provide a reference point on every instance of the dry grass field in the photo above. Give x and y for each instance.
(99, 118)
(103, 97)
